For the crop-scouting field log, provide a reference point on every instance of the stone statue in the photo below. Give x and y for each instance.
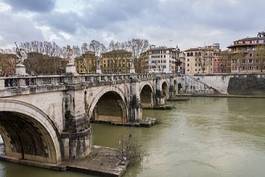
(70, 67)
(70, 55)
(21, 55)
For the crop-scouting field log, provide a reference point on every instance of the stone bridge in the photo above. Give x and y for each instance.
(46, 119)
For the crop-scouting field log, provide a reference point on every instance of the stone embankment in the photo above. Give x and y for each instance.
(224, 84)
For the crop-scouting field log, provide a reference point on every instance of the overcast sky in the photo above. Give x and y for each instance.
(187, 23)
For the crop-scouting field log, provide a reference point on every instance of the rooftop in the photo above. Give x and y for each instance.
(250, 41)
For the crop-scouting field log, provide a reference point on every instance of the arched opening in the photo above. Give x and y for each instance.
(146, 96)
(165, 90)
(179, 87)
(26, 139)
(110, 108)
(175, 86)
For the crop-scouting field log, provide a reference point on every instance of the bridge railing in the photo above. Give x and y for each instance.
(88, 79)
(25, 81)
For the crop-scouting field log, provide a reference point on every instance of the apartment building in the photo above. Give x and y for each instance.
(159, 60)
(248, 54)
(200, 60)
(116, 61)
(86, 63)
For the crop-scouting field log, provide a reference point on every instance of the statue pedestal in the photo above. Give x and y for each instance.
(98, 71)
(132, 71)
(70, 69)
(21, 69)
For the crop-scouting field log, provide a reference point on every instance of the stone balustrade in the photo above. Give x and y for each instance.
(87, 79)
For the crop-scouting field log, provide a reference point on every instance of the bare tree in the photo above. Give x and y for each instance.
(136, 46)
(7, 64)
(97, 47)
(84, 48)
(130, 150)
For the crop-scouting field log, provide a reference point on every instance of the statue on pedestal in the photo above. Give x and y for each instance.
(98, 69)
(131, 65)
(21, 55)
(70, 67)
(70, 55)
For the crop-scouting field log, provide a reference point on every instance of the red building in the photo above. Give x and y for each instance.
(222, 62)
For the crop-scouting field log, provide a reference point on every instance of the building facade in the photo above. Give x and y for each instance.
(200, 60)
(222, 62)
(86, 63)
(248, 54)
(159, 60)
(116, 61)
(181, 63)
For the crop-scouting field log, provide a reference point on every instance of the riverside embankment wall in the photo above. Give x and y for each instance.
(234, 84)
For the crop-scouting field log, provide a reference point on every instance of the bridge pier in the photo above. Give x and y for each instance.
(172, 88)
(135, 109)
(159, 98)
(76, 135)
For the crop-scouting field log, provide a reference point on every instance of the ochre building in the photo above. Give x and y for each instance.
(86, 63)
(116, 61)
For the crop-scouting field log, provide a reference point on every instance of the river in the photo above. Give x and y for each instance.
(203, 137)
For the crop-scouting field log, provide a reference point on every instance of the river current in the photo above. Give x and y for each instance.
(202, 137)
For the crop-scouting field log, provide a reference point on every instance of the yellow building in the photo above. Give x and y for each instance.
(86, 63)
(116, 61)
(200, 60)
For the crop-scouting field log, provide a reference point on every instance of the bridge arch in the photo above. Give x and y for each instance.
(28, 133)
(165, 89)
(109, 105)
(146, 95)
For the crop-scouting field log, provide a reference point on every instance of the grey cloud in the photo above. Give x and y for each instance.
(103, 15)
(241, 16)
(197, 21)
(64, 21)
(17, 28)
(32, 5)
